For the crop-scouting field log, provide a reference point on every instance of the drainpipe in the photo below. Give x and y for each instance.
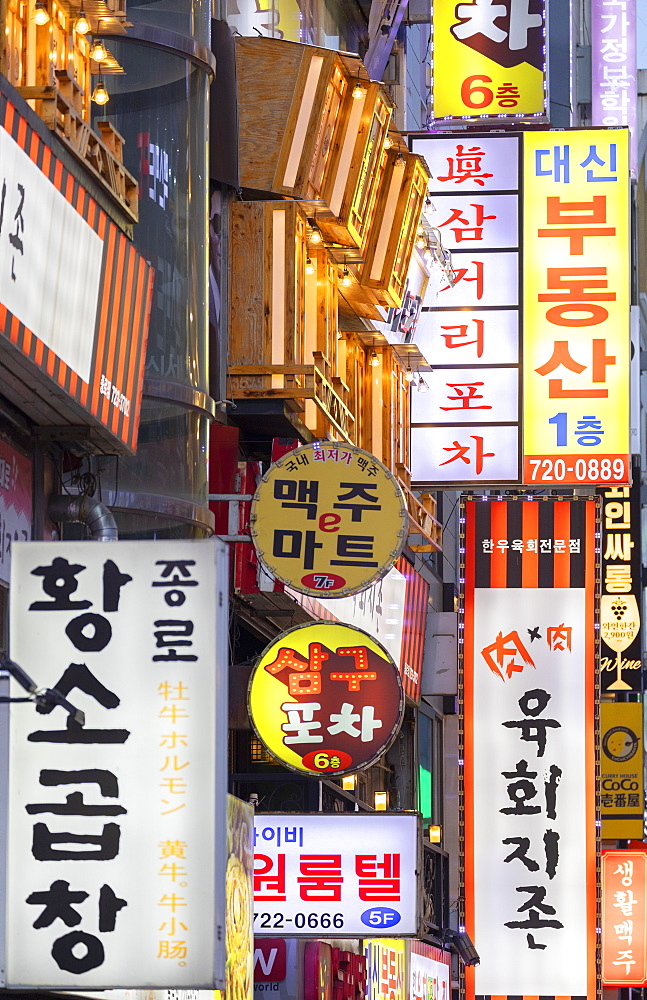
(94, 514)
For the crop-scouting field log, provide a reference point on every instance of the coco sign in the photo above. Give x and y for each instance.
(326, 698)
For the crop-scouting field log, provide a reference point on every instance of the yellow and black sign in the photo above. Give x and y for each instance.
(622, 787)
(489, 60)
(328, 519)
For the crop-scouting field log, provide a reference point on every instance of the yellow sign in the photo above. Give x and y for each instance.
(576, 342)
(326, 698)
(622, 792)
(328, 519)
(489, 60)
(386, 969)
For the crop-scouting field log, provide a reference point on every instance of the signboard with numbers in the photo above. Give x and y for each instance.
(328, 519)
(337, 875)
(624, 918)
(622, 796)
(544, 278)
(528, 702)
(326, 698)
(115, 863)
(497, 55)
(83, 344)
(576, 337)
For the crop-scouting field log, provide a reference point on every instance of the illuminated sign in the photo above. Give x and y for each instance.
(386, 963)
(430, 972)
(622, 794)
(621, 587)
(576, 307)
(332, 973)
(115, 862)
(613, 64)
(570, 286)
(529, 763)
(239, 927)
(497, 55)
(326, 698)
(328, 519)
(74, 295)
(624, 918)
(336, 875)
(466, 429)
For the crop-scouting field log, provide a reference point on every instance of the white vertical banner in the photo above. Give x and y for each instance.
(115, 847)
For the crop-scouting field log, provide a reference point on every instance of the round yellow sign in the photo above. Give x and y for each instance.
(326, 698)
(328, 519)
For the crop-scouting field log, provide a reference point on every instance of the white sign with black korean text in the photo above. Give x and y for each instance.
(340, 875)
(115, 853)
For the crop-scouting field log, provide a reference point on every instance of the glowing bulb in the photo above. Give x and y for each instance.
(388, 142)
(408, 375)
(358, 91)
(422, 385)
(374, 360)
(82, 25)
(310, 268)
(100, 95)
(41, 13)
(98, 52)
(346, 279)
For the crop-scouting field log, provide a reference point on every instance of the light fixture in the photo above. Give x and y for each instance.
(435, 834)
(381, 801)
(460, 942)
(98, 52)
(421, 242)
(422, 385)
(348, 782)
(400, 161)
(82, 25)
(373, 360)
(315, 234)
(346, 279)
(310, 268)
(41, 13)
(100, 95)
(358, 91)
(388, 142)
(408, 374)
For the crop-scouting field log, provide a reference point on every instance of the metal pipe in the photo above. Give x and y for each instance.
(94, 514)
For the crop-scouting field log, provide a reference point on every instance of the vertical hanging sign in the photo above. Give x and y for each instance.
(115, 862)
(497, 55)
(528, 700)
(624, 918)
(621, 585)
(576, 307)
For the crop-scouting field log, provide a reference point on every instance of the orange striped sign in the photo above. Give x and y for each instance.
(103, 396)
(528, 752)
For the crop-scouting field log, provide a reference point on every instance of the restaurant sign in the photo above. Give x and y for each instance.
(115, 862)
(326, 699)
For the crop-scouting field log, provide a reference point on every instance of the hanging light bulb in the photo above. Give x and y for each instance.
(346, 279)
(408, 374)
(400, 161)
(374, 361)
(358, 91)
(98, 52)
(41, 13)
(422, 385)
(388, 142)
(100, 95)
(310, 268)
(315, 234)
(82, 25)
